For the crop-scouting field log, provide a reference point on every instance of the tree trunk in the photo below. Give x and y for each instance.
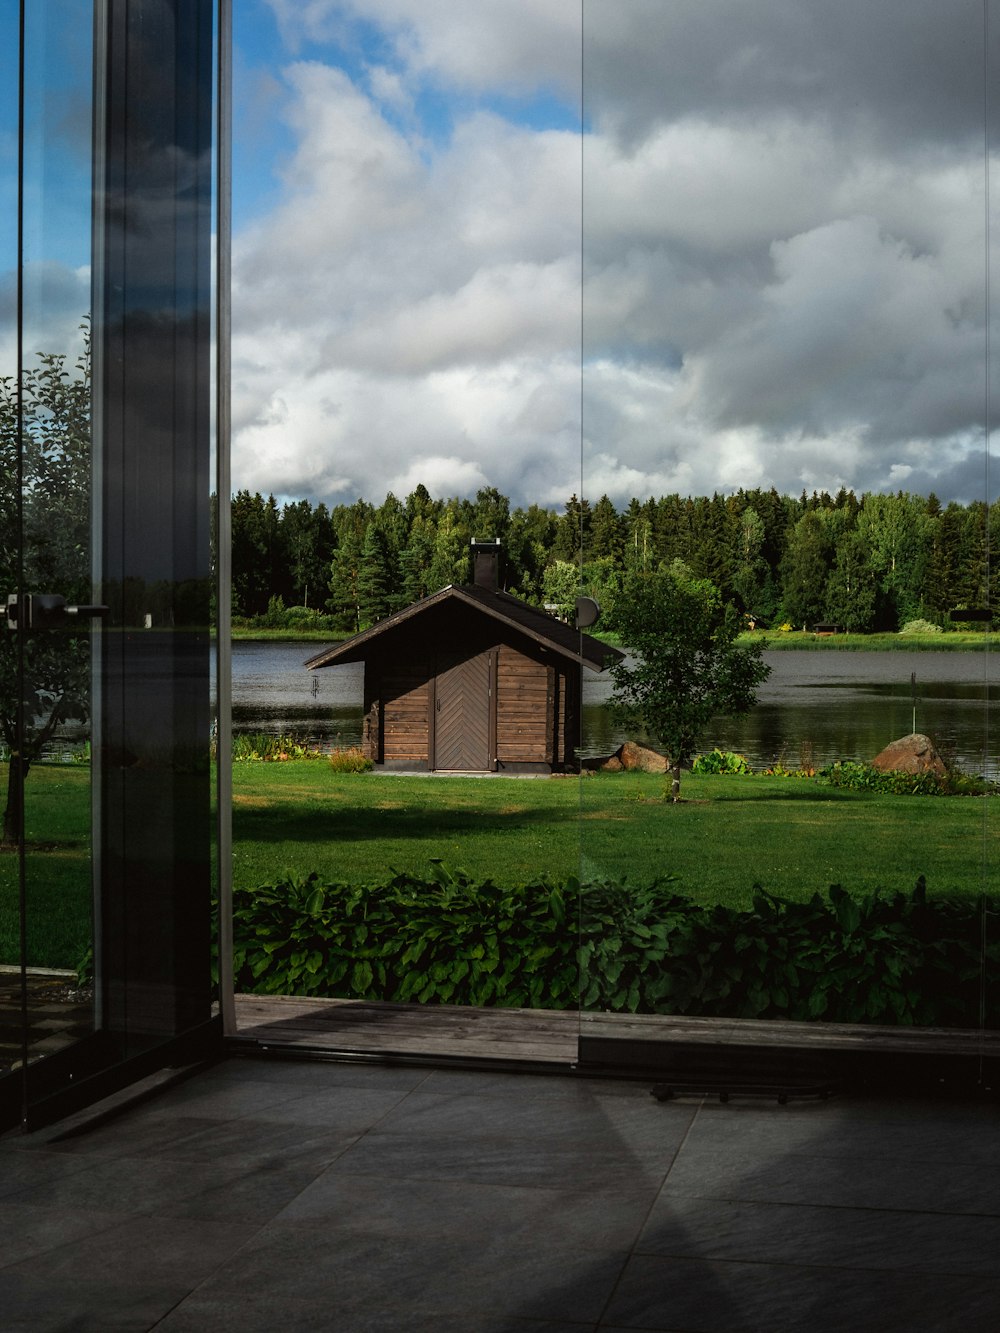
(675, 786)
(17, 771)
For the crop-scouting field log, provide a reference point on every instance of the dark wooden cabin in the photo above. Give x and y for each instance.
(472, 680)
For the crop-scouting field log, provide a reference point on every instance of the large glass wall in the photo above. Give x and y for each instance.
(109, 829)
(789, 379)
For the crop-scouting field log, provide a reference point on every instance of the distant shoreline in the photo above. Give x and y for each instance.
(773, 641)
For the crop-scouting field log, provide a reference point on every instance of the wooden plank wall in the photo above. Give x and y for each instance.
(406, 703)
(525, 706)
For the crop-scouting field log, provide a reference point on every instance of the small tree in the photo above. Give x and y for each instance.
(687, 666)
(54, 505)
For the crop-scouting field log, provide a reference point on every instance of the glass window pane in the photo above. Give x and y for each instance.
(786, 358)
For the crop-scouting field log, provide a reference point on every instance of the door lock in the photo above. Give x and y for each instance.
(45, 610)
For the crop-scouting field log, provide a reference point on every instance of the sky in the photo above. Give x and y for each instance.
(619, 246)
(630, 246)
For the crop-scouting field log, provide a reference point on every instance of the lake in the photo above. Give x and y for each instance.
(814, 708)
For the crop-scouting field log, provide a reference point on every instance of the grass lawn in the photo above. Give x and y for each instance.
(57, 878)
(794, 837)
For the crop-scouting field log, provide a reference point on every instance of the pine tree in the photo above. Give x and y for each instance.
(378, 577)
(804, 571)
(605, 532)
(572, 532)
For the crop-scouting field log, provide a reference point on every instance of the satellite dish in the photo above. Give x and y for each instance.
(587, 612)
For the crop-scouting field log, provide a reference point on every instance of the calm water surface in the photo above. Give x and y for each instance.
(814, 708)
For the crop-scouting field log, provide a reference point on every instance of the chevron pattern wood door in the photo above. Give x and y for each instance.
(462, 715)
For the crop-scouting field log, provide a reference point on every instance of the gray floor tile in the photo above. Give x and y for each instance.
(847, 1182)
(512, 1161)
(21, 1170)
(478, 1276)
(145, 1251)
(264, 1314)
(134, 1135)
(37, 1303)
(341, 1107)
(391, 1207)
(637, 1123)
(31, 1231)
(222, 1098)
(264, 1144)
(483, 1082)
(831, 1237)
(135, 1186)
(744, 1298)
(915, 1131)
(267, 1195)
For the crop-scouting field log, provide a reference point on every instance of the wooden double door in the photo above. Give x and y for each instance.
(464, 713)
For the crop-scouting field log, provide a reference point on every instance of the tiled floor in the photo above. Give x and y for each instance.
(283, 1196)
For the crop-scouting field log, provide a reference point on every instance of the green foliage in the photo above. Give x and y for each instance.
(85, 967)
(865, 777)
(721, 761)
(440, 939)
(445, 939)
(868, 563)
(49, 551)
(688, 666)
(561, 587)
(920, 627)
(263, 748)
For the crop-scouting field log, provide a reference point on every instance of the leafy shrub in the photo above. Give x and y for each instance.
(920, 627)
(262, 747)
(779, 770)
(721, 761)
(443, 939)
(447, 939)
(865, 777)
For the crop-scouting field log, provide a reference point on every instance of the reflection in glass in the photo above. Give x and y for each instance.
(45, 440)
(786, 387)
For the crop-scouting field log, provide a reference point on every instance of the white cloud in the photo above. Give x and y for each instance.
(781, 272)
(515, 45)
(400, 310)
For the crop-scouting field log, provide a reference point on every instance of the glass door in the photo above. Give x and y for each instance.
(46, 649)
(108, 867)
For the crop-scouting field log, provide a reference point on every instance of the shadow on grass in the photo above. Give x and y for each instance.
(797, 790)
(357, 824)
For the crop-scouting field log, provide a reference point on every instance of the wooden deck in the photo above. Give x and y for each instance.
(554, 1036)
(449, 1031)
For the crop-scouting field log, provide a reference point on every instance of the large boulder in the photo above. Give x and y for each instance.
(910, 754)
(631, 756)
(639, 757)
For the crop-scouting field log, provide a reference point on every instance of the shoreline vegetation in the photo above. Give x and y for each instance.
(773, 640)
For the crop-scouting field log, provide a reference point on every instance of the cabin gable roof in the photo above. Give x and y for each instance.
(510, 612)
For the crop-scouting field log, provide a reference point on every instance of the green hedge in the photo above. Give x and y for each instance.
(903, 959)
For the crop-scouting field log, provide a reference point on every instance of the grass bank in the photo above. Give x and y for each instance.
(951, 641)
(244, 635)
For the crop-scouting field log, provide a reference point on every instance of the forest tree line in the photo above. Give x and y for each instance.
(868, 563)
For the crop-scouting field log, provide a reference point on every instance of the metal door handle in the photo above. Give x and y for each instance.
(45, 610)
